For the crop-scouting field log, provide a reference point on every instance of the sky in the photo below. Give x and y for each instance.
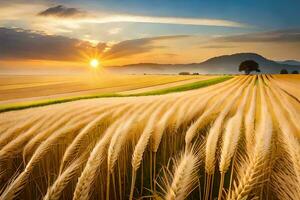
(65, 33)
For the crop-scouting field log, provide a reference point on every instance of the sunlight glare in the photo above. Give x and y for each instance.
(94, 63)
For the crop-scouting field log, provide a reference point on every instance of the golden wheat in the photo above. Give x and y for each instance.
(128, 148)
(184, 178)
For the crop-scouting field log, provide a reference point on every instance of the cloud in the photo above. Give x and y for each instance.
(290, 35)
(24, 44)
(137, 46)
(62, 11)
(164, 20)
(28, 45)
(114, 31)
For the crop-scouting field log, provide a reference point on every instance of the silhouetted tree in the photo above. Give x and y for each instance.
(249, 66)
(195, 73)
(284, 71)
(295, 72)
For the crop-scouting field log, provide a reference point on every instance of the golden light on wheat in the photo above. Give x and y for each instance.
(234, 140)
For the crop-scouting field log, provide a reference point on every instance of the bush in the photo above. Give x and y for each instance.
(284, 71)
(295, 72)
(184, 73)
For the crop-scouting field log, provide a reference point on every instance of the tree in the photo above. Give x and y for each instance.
(184, 73)
(249, 66)
(284, 71)
(295, 72)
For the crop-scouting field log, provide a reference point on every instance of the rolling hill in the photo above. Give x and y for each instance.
(217, 65)
(290, 62)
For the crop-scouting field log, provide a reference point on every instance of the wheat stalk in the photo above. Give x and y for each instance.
(15, 146)
(74, 148)
(19, 128)
(292, 144)
(252, 171)
(205, 117)
(250, 122)
(230, 140)
(184, 178)
(17, 185)
(284, 182)
(55, 191)
(141, 146)
(283, 99)
(64, 122)
(231, 135)
(161, 126)
(96, 158)
(214, 134)
(120, 138)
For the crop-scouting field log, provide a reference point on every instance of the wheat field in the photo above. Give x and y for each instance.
(18, 88)
(239, 139)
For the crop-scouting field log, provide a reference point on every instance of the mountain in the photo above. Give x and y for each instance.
(230, 63)
(290, 62)
(226, 64)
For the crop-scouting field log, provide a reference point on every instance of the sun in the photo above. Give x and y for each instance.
(94, 63)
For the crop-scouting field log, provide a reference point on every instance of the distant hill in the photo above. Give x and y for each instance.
(290, 62)
(227, 64)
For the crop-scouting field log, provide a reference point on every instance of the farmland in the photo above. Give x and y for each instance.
(238, 139)
(161, 85)
(14, 88)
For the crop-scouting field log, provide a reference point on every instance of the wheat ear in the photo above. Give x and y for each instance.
(184, 178)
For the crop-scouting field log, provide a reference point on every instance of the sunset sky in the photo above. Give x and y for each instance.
(64, 33)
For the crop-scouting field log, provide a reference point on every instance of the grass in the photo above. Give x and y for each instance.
(185, 87)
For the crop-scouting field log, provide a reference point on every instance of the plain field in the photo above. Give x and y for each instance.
(27, 88)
